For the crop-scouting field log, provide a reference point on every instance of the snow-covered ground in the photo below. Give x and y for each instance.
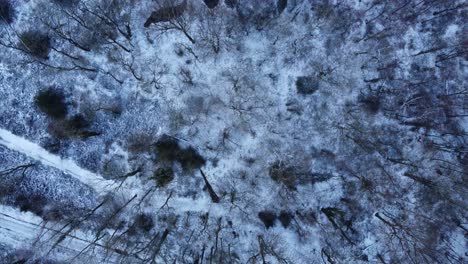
(38, 153)
(96, 181)
(331, 131)
(25, 230)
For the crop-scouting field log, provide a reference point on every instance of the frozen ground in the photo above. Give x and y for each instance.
(257, 131)
(23, 230)
(67, 166)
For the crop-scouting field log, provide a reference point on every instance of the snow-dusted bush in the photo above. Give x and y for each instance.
(285, 218)
(6, 11)
(257, 13)
(35, 43)
(323, 9)
(51, 102)
(284, 174)
(140, 142)
(268, 218)
(77, 123)
(231, 3)
(66, 3)
(75, 126)
(211, 3)
(31, 203)
(163, 176)
(144, 222)
(166, 14)
(281, 5)
(307, 85)
(168, 149)
(51, 144)
(190, 159)
(370, 103)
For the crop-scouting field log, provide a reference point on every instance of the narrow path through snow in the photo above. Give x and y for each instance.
(38, 153)
(21, 229)
(101, 185)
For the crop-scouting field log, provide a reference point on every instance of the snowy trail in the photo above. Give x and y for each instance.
(101, 185)
(21, 229)
(38, 153)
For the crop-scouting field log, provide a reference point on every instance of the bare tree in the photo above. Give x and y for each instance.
(170, 17)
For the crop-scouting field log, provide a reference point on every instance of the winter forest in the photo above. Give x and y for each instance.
(233, 131)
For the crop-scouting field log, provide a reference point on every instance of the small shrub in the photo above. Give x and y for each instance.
(112, 167)
(66, 3)
(231, 3)
(371, 104)
(186, 76)
(308, 217)
(77, 123)
(144, 222)
(281, 5)
(190, 159)
(306, 85)
(76, 126)
(283, 174)
(334, 214)
(211, 3)
(6, 11)
(268, 218)
(315, 177)
(367, 185)
(323, 10)
(51, 144)
(53, 214)
(36, 44)
(34, 203)
(163, 176)
(166, 14)
(285, 218)
(52, 103)
(57, 131)
(87, 134)
(140, 142)
(168, 149)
